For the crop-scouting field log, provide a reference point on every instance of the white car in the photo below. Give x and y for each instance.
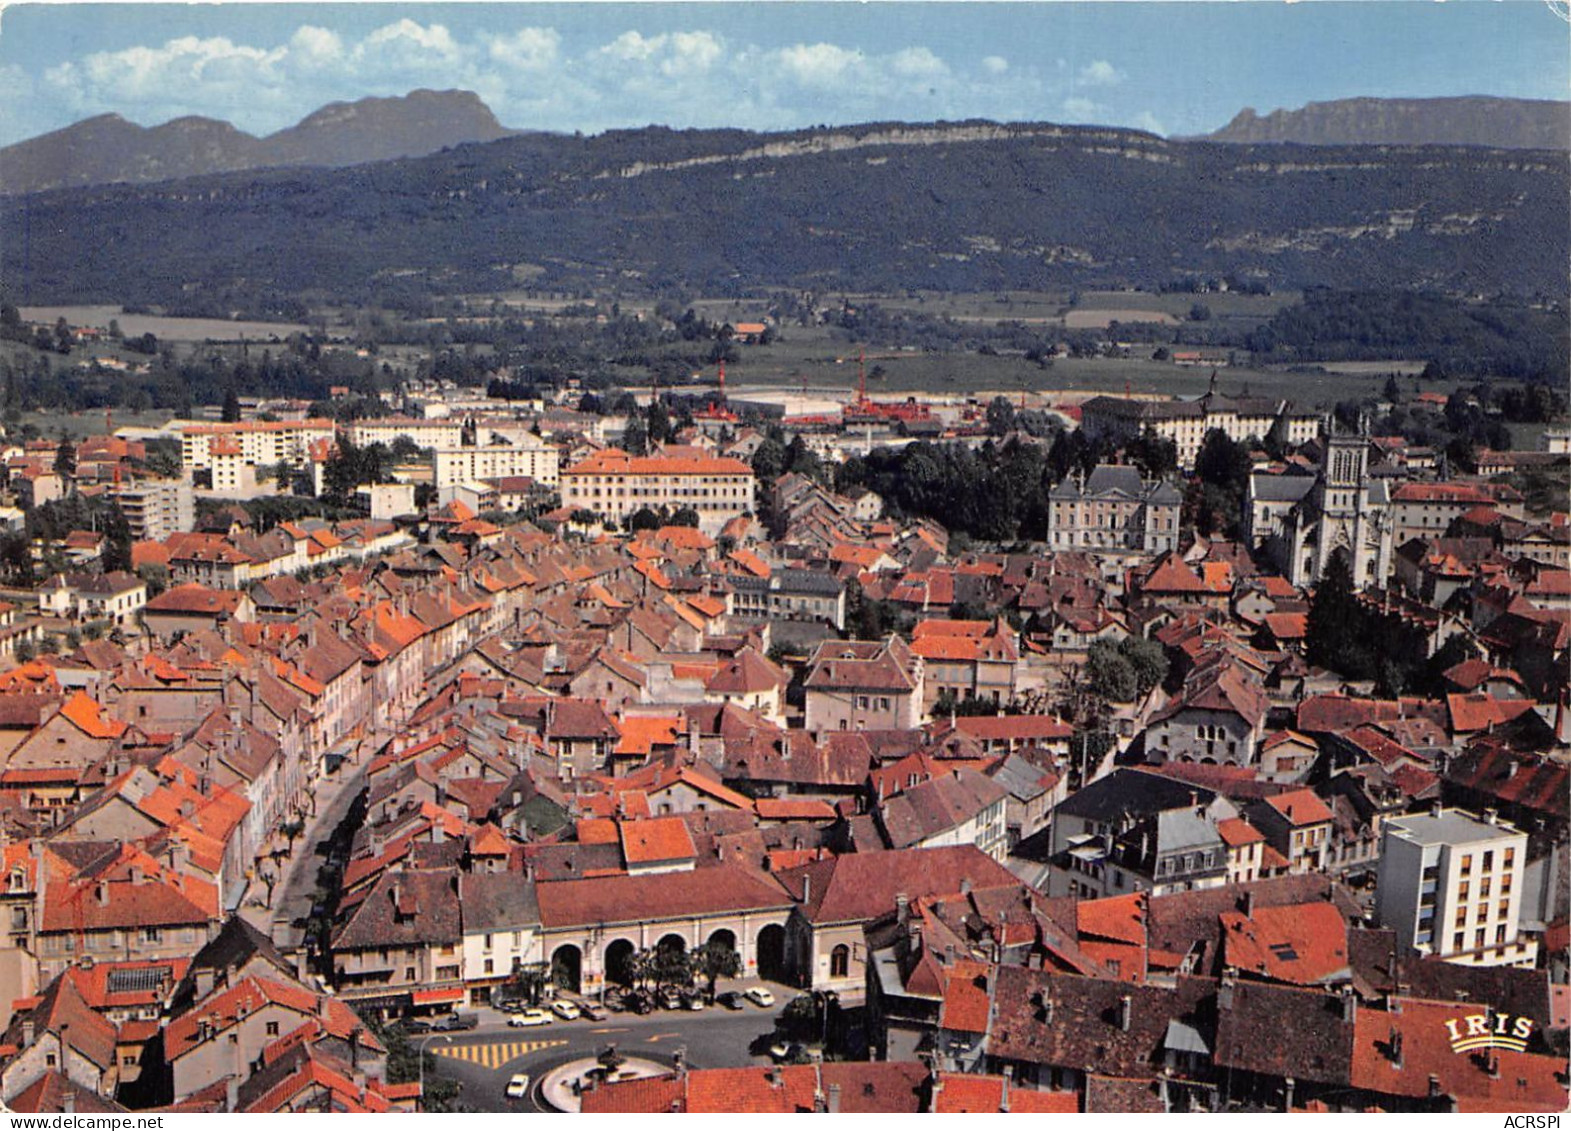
(518, 1086)
(760, 996)
(529, 1018)
(565, 1009)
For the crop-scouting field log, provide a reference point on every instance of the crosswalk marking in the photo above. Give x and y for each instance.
(494, 1054)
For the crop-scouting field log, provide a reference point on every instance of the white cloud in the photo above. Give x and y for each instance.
(529, 49)
(1082, 109)
(1100, 73)
(536, 77)
(1146, 120)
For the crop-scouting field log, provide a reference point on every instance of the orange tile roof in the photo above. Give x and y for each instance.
(656, 840)
(1302, 944)
(1300, 807)
(615, 461)
(87, 715)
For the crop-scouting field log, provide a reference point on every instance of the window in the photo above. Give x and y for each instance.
(1483, 888)
(1467, 864)
(151, 935)
(1489, 861)
(490, 966)
(1505, 883)
(1504, 909)
(840, 961)
(1500, 934)
(1463, 889)
(1461, 916)
(1510, 858)
(488, 942)
(1478, 938)
(272, 1028)
(1456, 941)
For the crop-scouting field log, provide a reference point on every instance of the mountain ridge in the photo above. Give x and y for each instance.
(1470, 120)
(884, 206)
(110, 149)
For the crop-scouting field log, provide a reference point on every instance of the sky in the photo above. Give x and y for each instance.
(1175, 68)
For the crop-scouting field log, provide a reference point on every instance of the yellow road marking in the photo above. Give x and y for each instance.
(494, 1054)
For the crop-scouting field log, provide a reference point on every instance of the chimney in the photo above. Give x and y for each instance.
(232, 1094)
(1349, 1005)
(28, 1032)
(807, 889)
(1009, 1082)
(204, 981)
(1287, 1101)
(103, 894)
(937, 1090)
(902, 908)
(1434, 1086)
(1248, 903)
(834, 1099)
(1395, 1046)
(1126, 1009)
(1494, 1065)
(776, 1076)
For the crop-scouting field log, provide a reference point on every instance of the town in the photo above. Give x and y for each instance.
(777, 750)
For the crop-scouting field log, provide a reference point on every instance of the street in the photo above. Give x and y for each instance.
(713, 1038)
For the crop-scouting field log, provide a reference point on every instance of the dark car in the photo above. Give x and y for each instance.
(640, 1002)
(512, 1005)
(729, 1000)
(589, 1011)
(413, 1025)
(457, 1022)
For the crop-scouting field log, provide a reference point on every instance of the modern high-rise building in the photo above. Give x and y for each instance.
(1451, 885)
(155, 508)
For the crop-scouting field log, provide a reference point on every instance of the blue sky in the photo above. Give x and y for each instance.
(1179, 67)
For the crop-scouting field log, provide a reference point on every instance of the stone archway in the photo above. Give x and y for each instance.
(619, 962)
(567, 968)
(772, 954)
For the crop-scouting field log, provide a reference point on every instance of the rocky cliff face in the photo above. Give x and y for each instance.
(1499, 123)
(109, 150)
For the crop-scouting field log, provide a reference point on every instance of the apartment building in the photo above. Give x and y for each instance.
(261, 443)
(530, 457)
(442, 433)
(1450, 885)
(155, 508)
(614, 484)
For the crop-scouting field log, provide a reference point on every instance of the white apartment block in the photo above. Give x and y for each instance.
(1451, 885)
(614, 484)
(531, 456)
(261, 443)
(156, 508)
(448, 433)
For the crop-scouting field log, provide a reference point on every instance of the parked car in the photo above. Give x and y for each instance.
(589, 1011)
(415, 1025)
(565, 1009)
(788, 1052)
(512, 1005)
(640, 1003)
(616, 1003)
(529, 1018)
(692, 1002)
(457, 1023)
(729, 1000)
(518, 1086)
(760, 997)
(670, 999)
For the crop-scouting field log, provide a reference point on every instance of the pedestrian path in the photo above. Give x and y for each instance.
(493, 1054)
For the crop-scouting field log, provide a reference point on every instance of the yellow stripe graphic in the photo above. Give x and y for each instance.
(494, 1054)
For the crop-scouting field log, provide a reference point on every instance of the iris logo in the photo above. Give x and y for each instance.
(1490, 1030)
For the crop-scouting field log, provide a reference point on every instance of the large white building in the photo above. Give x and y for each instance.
(261, 443)
(1186, 423)
(448, 433)
(614, 484)
(155, 508)
(1451, 885)
(530, 456)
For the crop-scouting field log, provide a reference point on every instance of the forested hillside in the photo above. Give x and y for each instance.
(971, 207)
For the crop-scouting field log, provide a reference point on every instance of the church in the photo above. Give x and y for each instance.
(1299, 521)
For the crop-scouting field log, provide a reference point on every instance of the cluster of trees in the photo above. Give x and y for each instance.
(649, 518)
(1457, 339)
(1214, 499)
(663, 967)
(1342, 636)
(1125, 671)
(352, 466)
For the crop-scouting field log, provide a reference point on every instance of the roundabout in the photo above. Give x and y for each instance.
(561, 1087)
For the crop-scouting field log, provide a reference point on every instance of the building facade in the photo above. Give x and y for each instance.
(1450, 885)
(1114, 509)
(614, 484)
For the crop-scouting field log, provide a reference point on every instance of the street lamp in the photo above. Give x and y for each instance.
(423, 1042)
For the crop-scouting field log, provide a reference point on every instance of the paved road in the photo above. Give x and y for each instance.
(481, 1060)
